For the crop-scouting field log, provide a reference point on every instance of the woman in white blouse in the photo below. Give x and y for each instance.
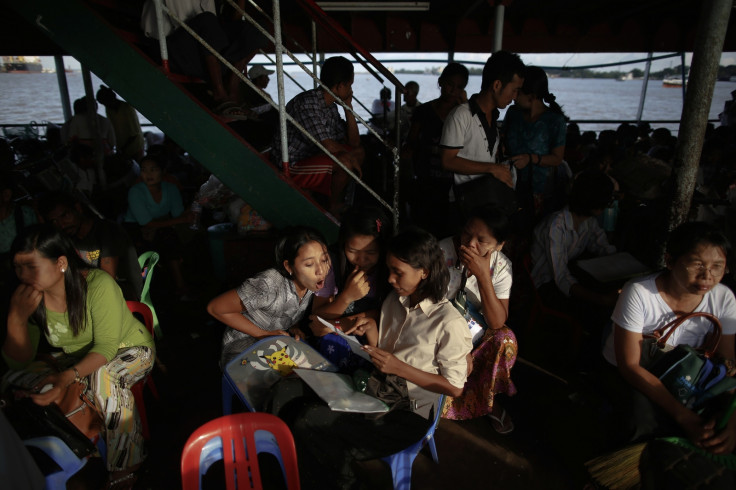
(696, 262)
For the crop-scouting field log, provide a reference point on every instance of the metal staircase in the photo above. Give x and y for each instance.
(82, 33)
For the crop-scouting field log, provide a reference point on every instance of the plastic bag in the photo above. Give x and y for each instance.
(214, 194)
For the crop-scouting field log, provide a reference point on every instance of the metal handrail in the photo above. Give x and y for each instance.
(309, 72)
(160, 7)
(577, 121)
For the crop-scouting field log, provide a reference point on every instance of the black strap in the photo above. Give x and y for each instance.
(490, 130)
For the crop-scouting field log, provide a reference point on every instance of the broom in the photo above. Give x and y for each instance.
(619, 470)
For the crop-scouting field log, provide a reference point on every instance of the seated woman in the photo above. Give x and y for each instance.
(477, 265)
(356, 285)
(154, 208)
(273, 301)
(422, 340)
(696, 262)
(82, 312)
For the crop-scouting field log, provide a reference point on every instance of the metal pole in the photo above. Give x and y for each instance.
(92, 121)
(396, 158)
(643, 95)
(161, 36)
(683, 76)
(704, 70)
(280, 82)
(314, 52)
(498, 28)
(66, 106)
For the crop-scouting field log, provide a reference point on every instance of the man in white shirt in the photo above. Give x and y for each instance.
(470, 138)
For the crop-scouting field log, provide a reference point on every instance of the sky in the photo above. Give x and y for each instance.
(569, 60)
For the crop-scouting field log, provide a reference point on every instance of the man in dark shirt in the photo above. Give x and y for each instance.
(317, 112)
(100, 243)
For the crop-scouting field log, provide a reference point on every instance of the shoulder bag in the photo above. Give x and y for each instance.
(484, 190)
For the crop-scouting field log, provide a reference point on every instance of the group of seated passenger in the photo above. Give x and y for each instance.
(416, 332)
(65, 284)
(350, 286)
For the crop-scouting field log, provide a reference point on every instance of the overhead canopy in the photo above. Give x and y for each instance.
(530, 26)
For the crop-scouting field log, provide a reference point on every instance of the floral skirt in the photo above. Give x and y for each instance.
(492, 363)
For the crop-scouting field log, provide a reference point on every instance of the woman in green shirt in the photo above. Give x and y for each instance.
(82, 312)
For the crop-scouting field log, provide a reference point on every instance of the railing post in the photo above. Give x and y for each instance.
(683, 75)
(99, 151)
(498, 28)
(280, 82)
(643, 95)
(396, 158)
(314, 52)
(161, 36)
(63, 87)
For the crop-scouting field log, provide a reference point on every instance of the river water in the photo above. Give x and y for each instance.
(35, 97)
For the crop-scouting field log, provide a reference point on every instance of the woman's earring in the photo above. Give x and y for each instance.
(63, 270)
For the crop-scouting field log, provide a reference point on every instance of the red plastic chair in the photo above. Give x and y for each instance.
(236, 440)
(145, 312)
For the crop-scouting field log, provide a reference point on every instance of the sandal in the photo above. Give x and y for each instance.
(231, 110)
(504, 426)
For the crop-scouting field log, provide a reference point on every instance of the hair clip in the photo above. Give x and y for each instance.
(378, 225)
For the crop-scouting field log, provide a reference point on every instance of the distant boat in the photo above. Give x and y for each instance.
(672, 82)
(22, 64)
(627, 76)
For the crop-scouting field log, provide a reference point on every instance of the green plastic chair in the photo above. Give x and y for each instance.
(147, 261)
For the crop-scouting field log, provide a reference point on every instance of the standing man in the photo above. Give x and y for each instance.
(78, 130)
(407, 109)
(124, 120)
(470, 141)
(317, 112)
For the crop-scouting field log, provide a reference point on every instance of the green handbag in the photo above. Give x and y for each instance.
(690, 375)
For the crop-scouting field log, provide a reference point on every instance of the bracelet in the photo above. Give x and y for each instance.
(77, 377)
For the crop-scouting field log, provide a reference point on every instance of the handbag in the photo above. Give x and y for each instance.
(690, 375)
(73, 402)
(483, 190)
(390, 389)
(31, 420)
(80, 410)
